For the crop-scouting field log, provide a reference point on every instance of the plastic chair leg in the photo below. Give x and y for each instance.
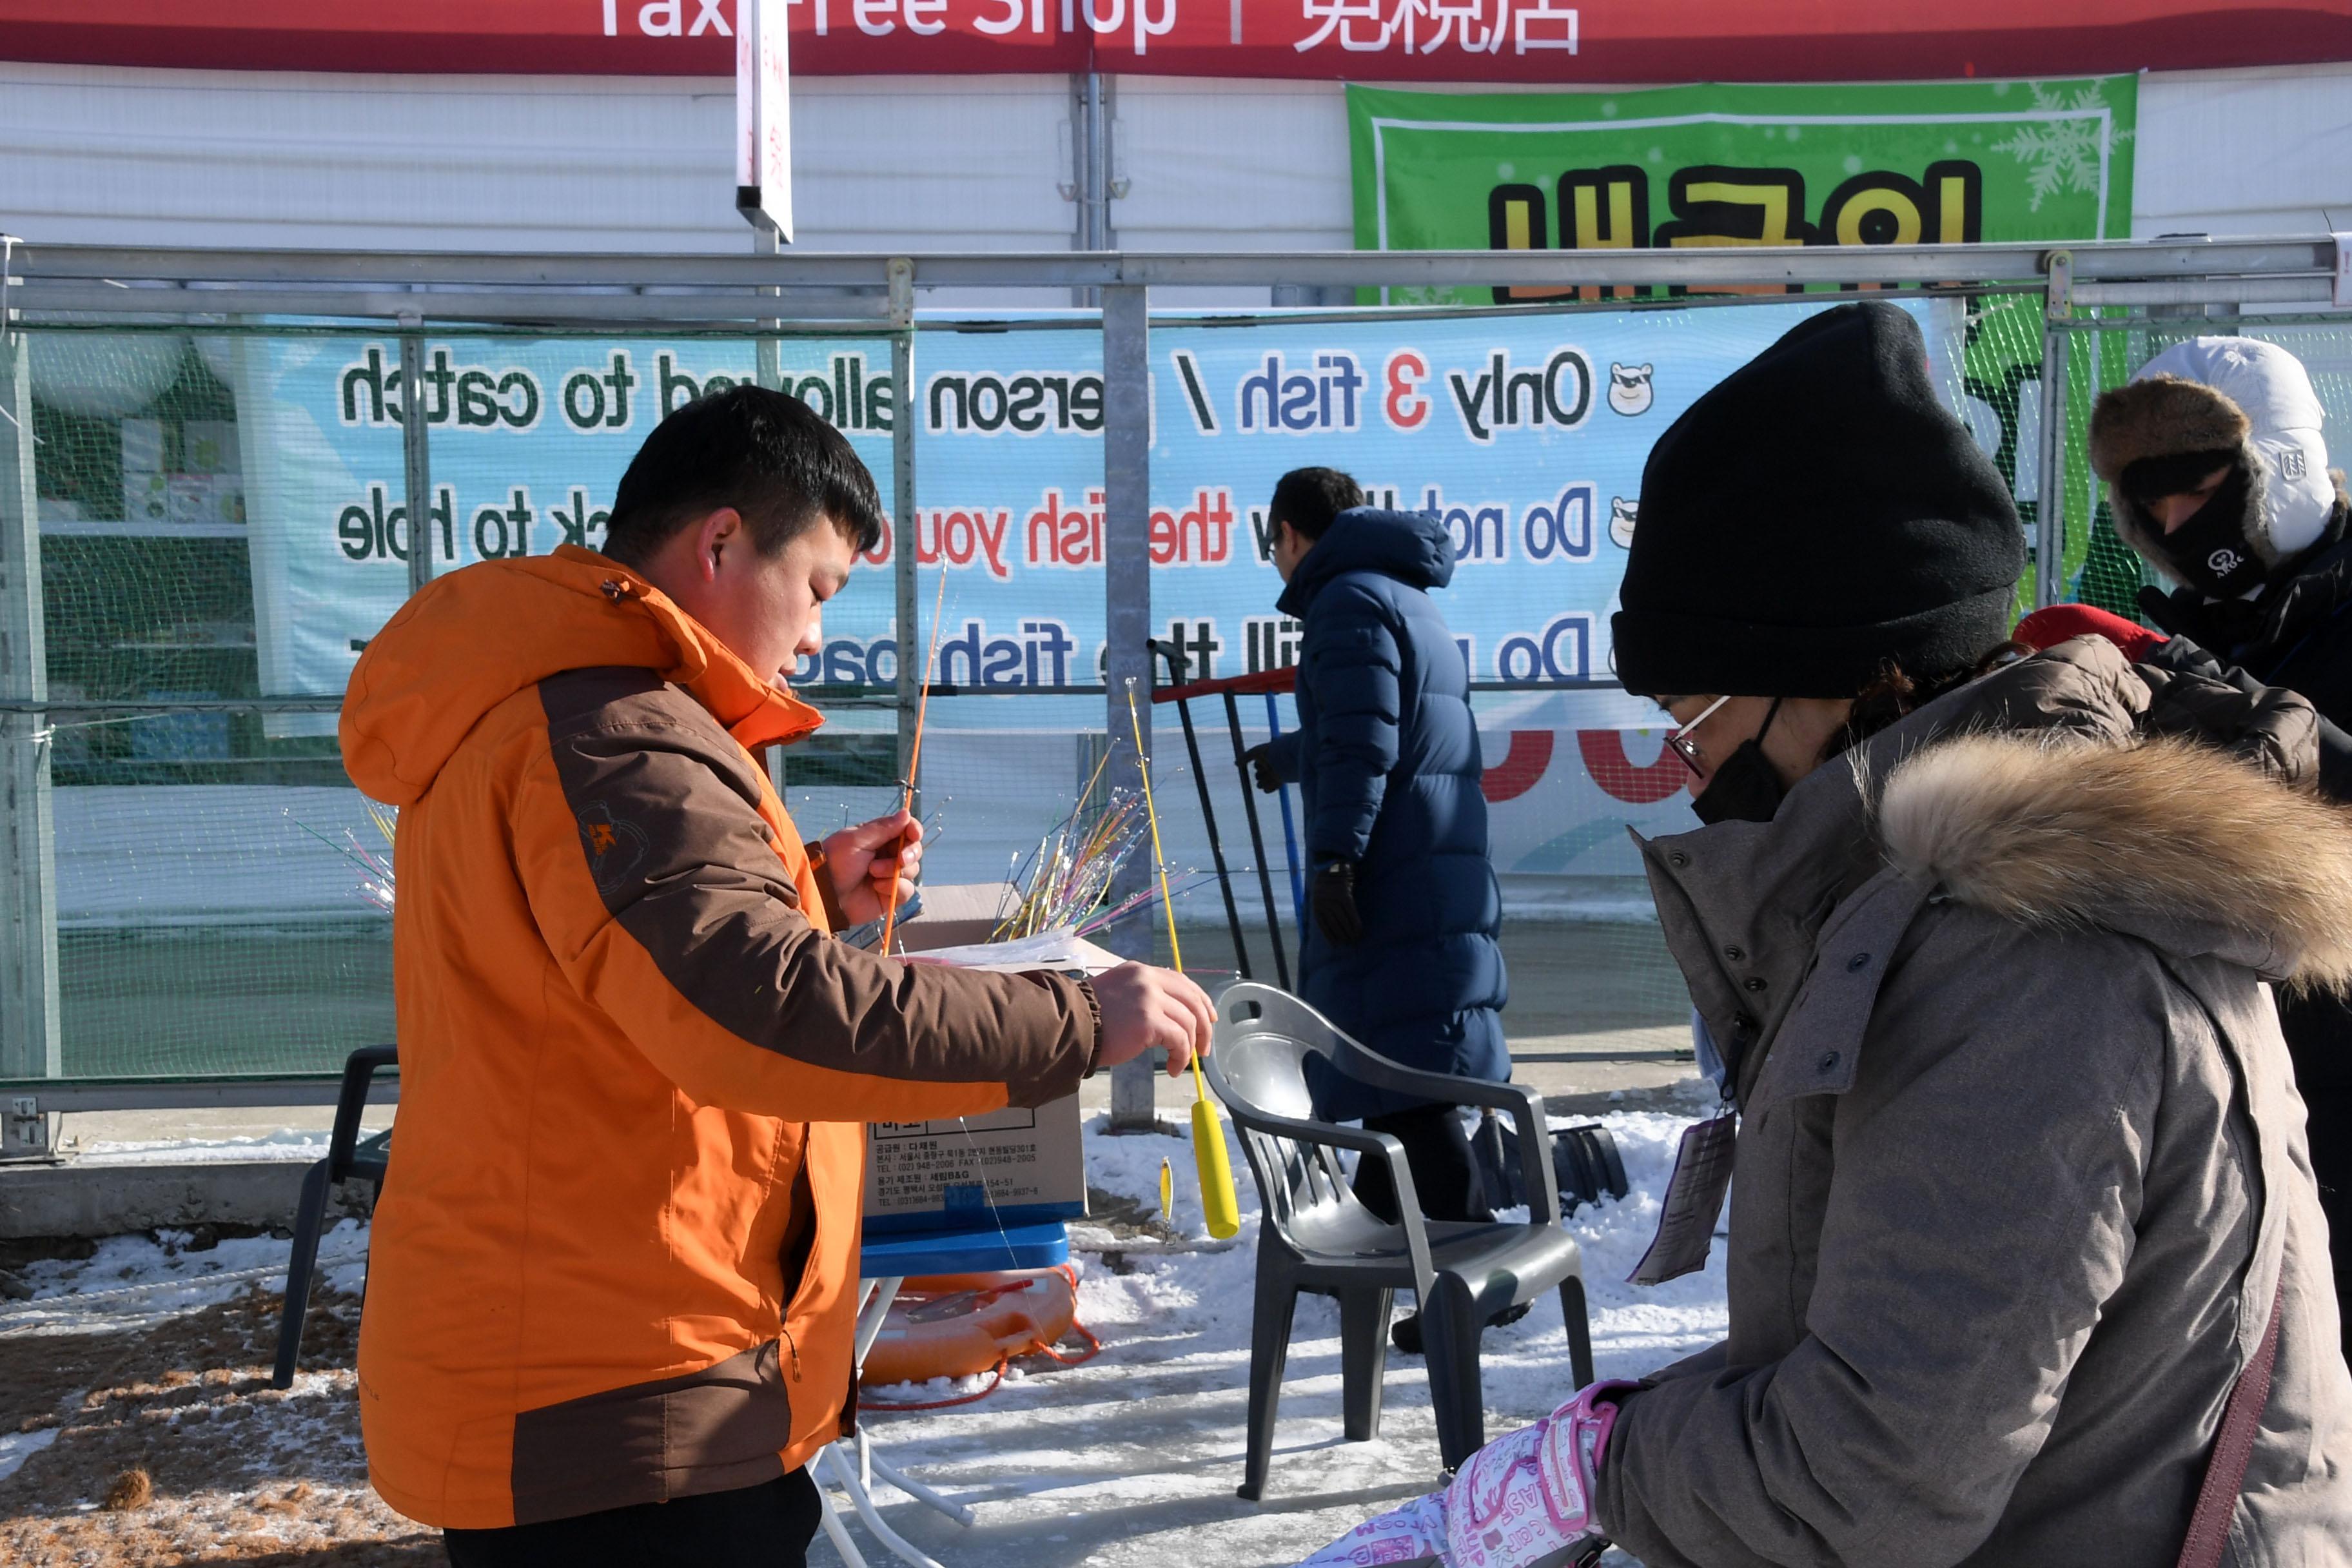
(1579, 1329)
(1278, 1302)
(308, 1214)
(1363, 1358)
(1450, 1332)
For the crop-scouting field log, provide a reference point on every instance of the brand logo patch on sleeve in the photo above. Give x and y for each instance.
(615, 847)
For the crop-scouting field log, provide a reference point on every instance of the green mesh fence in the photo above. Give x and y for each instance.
(2101, 569)
(221, 518)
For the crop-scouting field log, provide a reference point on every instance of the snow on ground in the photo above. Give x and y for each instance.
(297, 1145)
(136, 1281)
(1128, 1461)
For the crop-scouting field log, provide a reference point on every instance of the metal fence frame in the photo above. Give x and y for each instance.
(767, 296)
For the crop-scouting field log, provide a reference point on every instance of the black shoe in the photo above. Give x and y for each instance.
(1405, 1333)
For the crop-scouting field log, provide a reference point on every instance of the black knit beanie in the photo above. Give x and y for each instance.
(1815, 514)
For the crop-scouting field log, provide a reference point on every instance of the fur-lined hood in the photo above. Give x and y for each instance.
(2075, 789)
(2233, 395)
(2170, 840)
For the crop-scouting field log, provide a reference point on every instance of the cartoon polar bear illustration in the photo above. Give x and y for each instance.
(1621, 520)
(1629, 389)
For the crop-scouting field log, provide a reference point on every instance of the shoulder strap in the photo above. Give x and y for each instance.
(2225, 1470)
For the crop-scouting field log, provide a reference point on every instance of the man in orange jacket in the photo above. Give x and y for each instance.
(614, 1271)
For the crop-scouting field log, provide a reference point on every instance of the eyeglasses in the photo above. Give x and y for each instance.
(1679, 737)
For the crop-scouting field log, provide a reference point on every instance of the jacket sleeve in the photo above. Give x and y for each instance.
(1281, 755)
(1987, 1180)
(1351, 659)
(2193, 693)
(653, 877)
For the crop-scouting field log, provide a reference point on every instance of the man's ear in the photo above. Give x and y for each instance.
(715, 535)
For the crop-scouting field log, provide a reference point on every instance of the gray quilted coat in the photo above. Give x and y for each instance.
(2021, 1162)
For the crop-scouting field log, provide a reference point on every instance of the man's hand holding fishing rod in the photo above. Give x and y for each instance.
(620, 1258)
(1144, 1007)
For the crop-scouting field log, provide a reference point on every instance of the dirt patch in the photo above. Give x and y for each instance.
(171, 1448)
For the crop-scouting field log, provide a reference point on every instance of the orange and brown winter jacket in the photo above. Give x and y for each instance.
(616, 1260)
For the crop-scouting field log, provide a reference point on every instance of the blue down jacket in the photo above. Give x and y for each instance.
(1386, 755)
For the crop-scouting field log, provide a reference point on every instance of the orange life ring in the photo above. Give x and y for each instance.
(954, 1325)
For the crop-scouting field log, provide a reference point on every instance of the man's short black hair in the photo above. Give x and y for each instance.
(765, 454)
(1308, 499)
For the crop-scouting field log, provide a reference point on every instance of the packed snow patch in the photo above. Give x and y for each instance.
(134, 1282)
(1130, 1461)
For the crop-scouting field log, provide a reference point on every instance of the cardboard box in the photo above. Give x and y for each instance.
(954, 914)
(930, 1176)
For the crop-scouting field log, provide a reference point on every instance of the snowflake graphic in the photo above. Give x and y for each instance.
(2062, 155)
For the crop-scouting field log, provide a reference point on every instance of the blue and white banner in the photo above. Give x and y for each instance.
(1527, 435)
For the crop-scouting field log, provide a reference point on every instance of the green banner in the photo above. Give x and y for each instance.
(1731, 165)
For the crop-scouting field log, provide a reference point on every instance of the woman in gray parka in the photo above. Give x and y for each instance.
(2022, 1186)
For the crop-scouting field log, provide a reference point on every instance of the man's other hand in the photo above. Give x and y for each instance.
(1143, 1006)
(1332, 896)
(1263, 770)
(873, 857)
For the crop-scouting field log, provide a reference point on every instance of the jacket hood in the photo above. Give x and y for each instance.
(2073, 789)
(2169, 840)
(469, 640)
(2223, 394)
(1413, 547)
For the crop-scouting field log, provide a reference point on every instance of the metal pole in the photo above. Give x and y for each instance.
(768, 371)
(416, 461)
(767, 367)
(1089, 175)
(29, 1037)
(1126, 621)
(2049, 503)
(902, 515)
(1179, 671)
(1257, 842)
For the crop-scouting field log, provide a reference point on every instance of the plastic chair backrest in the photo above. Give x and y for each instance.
(1264, 1039)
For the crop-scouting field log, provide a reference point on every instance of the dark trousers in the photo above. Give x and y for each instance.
(1445, 1168)
(766, 1526)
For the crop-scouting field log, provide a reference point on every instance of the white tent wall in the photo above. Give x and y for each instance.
(1230, 166)
(117, 155)
(103, 155)
(2245, 151)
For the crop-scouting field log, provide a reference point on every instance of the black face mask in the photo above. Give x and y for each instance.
(2210, 552)
(1745, 788)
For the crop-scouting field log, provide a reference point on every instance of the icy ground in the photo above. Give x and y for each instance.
(1128, 1462)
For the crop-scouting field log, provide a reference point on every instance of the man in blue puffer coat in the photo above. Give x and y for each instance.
(1400, 946)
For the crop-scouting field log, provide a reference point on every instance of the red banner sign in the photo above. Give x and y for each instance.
(1554, 41)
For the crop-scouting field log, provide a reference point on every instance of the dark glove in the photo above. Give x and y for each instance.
(1263, 769)
(1332, 896)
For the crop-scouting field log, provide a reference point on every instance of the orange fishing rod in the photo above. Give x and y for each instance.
(914, 760)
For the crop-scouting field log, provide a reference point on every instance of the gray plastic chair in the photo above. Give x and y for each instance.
(1316, 1235)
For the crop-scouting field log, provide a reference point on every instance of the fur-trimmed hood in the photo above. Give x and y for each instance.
(2235, 395)
(2073, 789)
(2169, 840)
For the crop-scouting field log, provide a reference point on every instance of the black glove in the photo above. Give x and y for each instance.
(1332, 895)
(1262, 767)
